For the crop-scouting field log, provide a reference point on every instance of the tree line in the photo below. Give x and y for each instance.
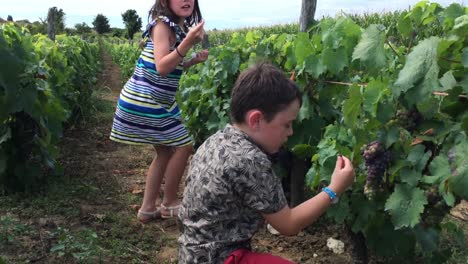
(100, 24)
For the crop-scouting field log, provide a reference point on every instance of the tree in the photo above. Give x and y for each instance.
(132, 22)
(9, 18)
(82, 28)
(101, 24)
(307, 14)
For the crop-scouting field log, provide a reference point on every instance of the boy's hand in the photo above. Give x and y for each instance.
(343, 175)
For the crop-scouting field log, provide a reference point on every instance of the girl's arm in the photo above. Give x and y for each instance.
(166, 61)
(291, 221)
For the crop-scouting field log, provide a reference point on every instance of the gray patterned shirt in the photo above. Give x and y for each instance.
(230, 182)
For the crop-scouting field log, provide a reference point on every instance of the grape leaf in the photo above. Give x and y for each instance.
(465, 57)
(364, 210)
(314, 65)
(372, 95)
(418, 157)
(428, 238)
(335, 61)
(404, 26)
(303, 151)
(352, 107)
(421, 66)
(303, 47)
(447, 81)
(410, 176)
(305, 112)
(439, 168)
(370, 48)
(406, 205)
(340, 211)
(459, 181)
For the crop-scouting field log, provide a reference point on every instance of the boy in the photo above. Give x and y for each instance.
(231, 188)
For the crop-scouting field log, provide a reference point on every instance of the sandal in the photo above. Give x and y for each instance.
(146, 217)
(173, 211)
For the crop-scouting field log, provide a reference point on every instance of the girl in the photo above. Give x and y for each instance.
(147, 112)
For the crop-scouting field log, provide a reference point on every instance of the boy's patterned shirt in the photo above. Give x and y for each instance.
(230, 182)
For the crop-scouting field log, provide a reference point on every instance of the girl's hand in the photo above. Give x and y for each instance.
(197, 57)
(200, 56)
(196, 33)
(343, 175)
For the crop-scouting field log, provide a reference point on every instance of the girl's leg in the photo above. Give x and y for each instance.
(154, 178)
(174, 171)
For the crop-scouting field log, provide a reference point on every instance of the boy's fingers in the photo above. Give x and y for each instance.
(347, 163)
(339, 163)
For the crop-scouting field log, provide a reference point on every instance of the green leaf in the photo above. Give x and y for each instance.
(446, 193)
(465, 57)
(335, 60)
(391, 136)
(418, 157)
(382, 238)
(341, 211)
(58, 247)
(314, 65)
(410, 176)
(421, 66)
(427, 238)
(440, 170)
(406, 205)
(451, 13)
(404, 26)
(372, 95)
(352, 106)
(364, 210)
(306, 111)
(447, 81)
(461, 22)
(303, 151)
(370, 48)
(303, 47)
(5, 136)
(459, 184)
(385, 111)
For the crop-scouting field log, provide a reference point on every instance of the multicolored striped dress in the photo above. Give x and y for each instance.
(147, 111)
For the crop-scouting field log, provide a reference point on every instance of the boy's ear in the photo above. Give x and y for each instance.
(253, 119)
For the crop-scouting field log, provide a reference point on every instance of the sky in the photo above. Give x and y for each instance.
(219, 14)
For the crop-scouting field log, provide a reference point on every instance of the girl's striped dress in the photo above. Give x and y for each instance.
(147, 111)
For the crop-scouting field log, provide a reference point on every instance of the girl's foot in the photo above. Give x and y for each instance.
(146, 217)
(169, 211)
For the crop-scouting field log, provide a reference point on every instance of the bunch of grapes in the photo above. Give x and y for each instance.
(377, 159)
(410, 120)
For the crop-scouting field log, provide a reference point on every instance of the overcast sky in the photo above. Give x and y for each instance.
(218, 14)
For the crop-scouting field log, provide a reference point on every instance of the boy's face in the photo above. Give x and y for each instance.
(272, 135)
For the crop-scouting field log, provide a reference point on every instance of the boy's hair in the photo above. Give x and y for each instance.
(161, 8)
(263, 87)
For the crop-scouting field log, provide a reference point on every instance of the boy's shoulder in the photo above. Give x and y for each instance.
(234, 146)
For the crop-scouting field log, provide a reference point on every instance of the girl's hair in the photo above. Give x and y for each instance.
(161, 8)
(263, 87)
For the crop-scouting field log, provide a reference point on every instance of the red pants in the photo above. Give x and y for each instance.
(245, 256)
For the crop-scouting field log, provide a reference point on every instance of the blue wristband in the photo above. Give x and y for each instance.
(330, 193)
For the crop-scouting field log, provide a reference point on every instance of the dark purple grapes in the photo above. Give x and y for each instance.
(377, 159)
(410, 120)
